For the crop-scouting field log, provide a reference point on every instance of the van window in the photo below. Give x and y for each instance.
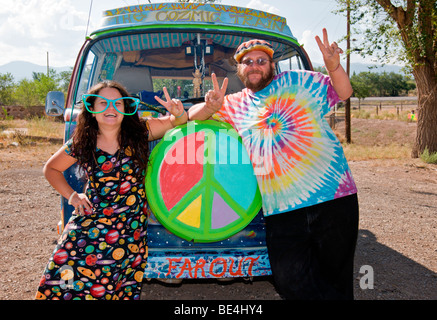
(145, 63)
(292, 63)
(85, 81)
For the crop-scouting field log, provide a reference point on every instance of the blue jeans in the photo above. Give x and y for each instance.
(311, 250)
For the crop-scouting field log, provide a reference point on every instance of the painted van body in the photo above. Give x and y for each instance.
(146, 47)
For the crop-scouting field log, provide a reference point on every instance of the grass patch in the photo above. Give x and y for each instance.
(45, 127)
(29, 139)
(359, 152)
(33, 127)
(384, 114)
(29, 142)
(361, 114)
(428, 157)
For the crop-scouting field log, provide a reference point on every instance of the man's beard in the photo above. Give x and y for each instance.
(261, 84)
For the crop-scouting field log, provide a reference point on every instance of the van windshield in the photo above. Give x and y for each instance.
(180, 61)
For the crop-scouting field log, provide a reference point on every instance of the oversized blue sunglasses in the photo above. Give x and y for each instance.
(128, 101)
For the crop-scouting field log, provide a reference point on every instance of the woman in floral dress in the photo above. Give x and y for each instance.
(102, 251)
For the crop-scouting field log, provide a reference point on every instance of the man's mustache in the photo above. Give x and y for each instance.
(255, 72)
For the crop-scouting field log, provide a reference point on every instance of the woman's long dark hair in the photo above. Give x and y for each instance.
(134, 132)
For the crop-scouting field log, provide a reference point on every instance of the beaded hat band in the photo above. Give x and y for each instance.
(251, 45)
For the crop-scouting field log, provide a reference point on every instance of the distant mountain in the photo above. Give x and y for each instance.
(22, 69)
(362, 67)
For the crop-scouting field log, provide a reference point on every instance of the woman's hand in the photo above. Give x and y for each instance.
(80, 202)
(175, 107)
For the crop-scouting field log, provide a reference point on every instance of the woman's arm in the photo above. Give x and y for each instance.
(53, 171)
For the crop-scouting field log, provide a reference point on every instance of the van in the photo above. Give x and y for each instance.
(179, 45)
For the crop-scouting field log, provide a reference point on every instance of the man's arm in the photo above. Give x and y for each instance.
(341, 83)
(331, 57)
(200, 112)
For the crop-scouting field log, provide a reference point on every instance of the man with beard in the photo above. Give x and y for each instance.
(308, 194)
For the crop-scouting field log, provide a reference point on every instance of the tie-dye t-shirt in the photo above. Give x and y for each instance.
(297, 158)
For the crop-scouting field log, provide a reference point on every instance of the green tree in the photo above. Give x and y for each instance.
(24, 94)
(7, 87)
(43, 83)
(362, 86)
(403, 30)
(367, 84)
(397, 84)
(64, 80)
(32, 92)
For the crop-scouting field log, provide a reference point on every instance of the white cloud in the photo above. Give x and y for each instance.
(310, 45)
(31, 28)
(259, 5)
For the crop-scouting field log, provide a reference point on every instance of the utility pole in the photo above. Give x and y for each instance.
(48, 69)
(347, 114)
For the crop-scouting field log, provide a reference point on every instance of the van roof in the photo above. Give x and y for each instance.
(194, 16)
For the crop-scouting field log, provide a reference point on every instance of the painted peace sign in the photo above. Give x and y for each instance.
(200, 182)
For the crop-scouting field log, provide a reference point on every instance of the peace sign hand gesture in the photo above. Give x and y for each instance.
(214, 98)
(174, 106)
(331, 53)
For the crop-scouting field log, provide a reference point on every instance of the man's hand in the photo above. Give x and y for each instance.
(331, 53)
(214, 98)
(331, 57)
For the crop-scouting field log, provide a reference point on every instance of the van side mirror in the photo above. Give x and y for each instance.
(55, 103)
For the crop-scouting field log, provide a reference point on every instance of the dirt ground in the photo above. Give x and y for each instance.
(397, 238)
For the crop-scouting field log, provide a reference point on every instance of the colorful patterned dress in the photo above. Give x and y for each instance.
(102, 255)
(297, 158)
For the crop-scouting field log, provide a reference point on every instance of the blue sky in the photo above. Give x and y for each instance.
(31, 28)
